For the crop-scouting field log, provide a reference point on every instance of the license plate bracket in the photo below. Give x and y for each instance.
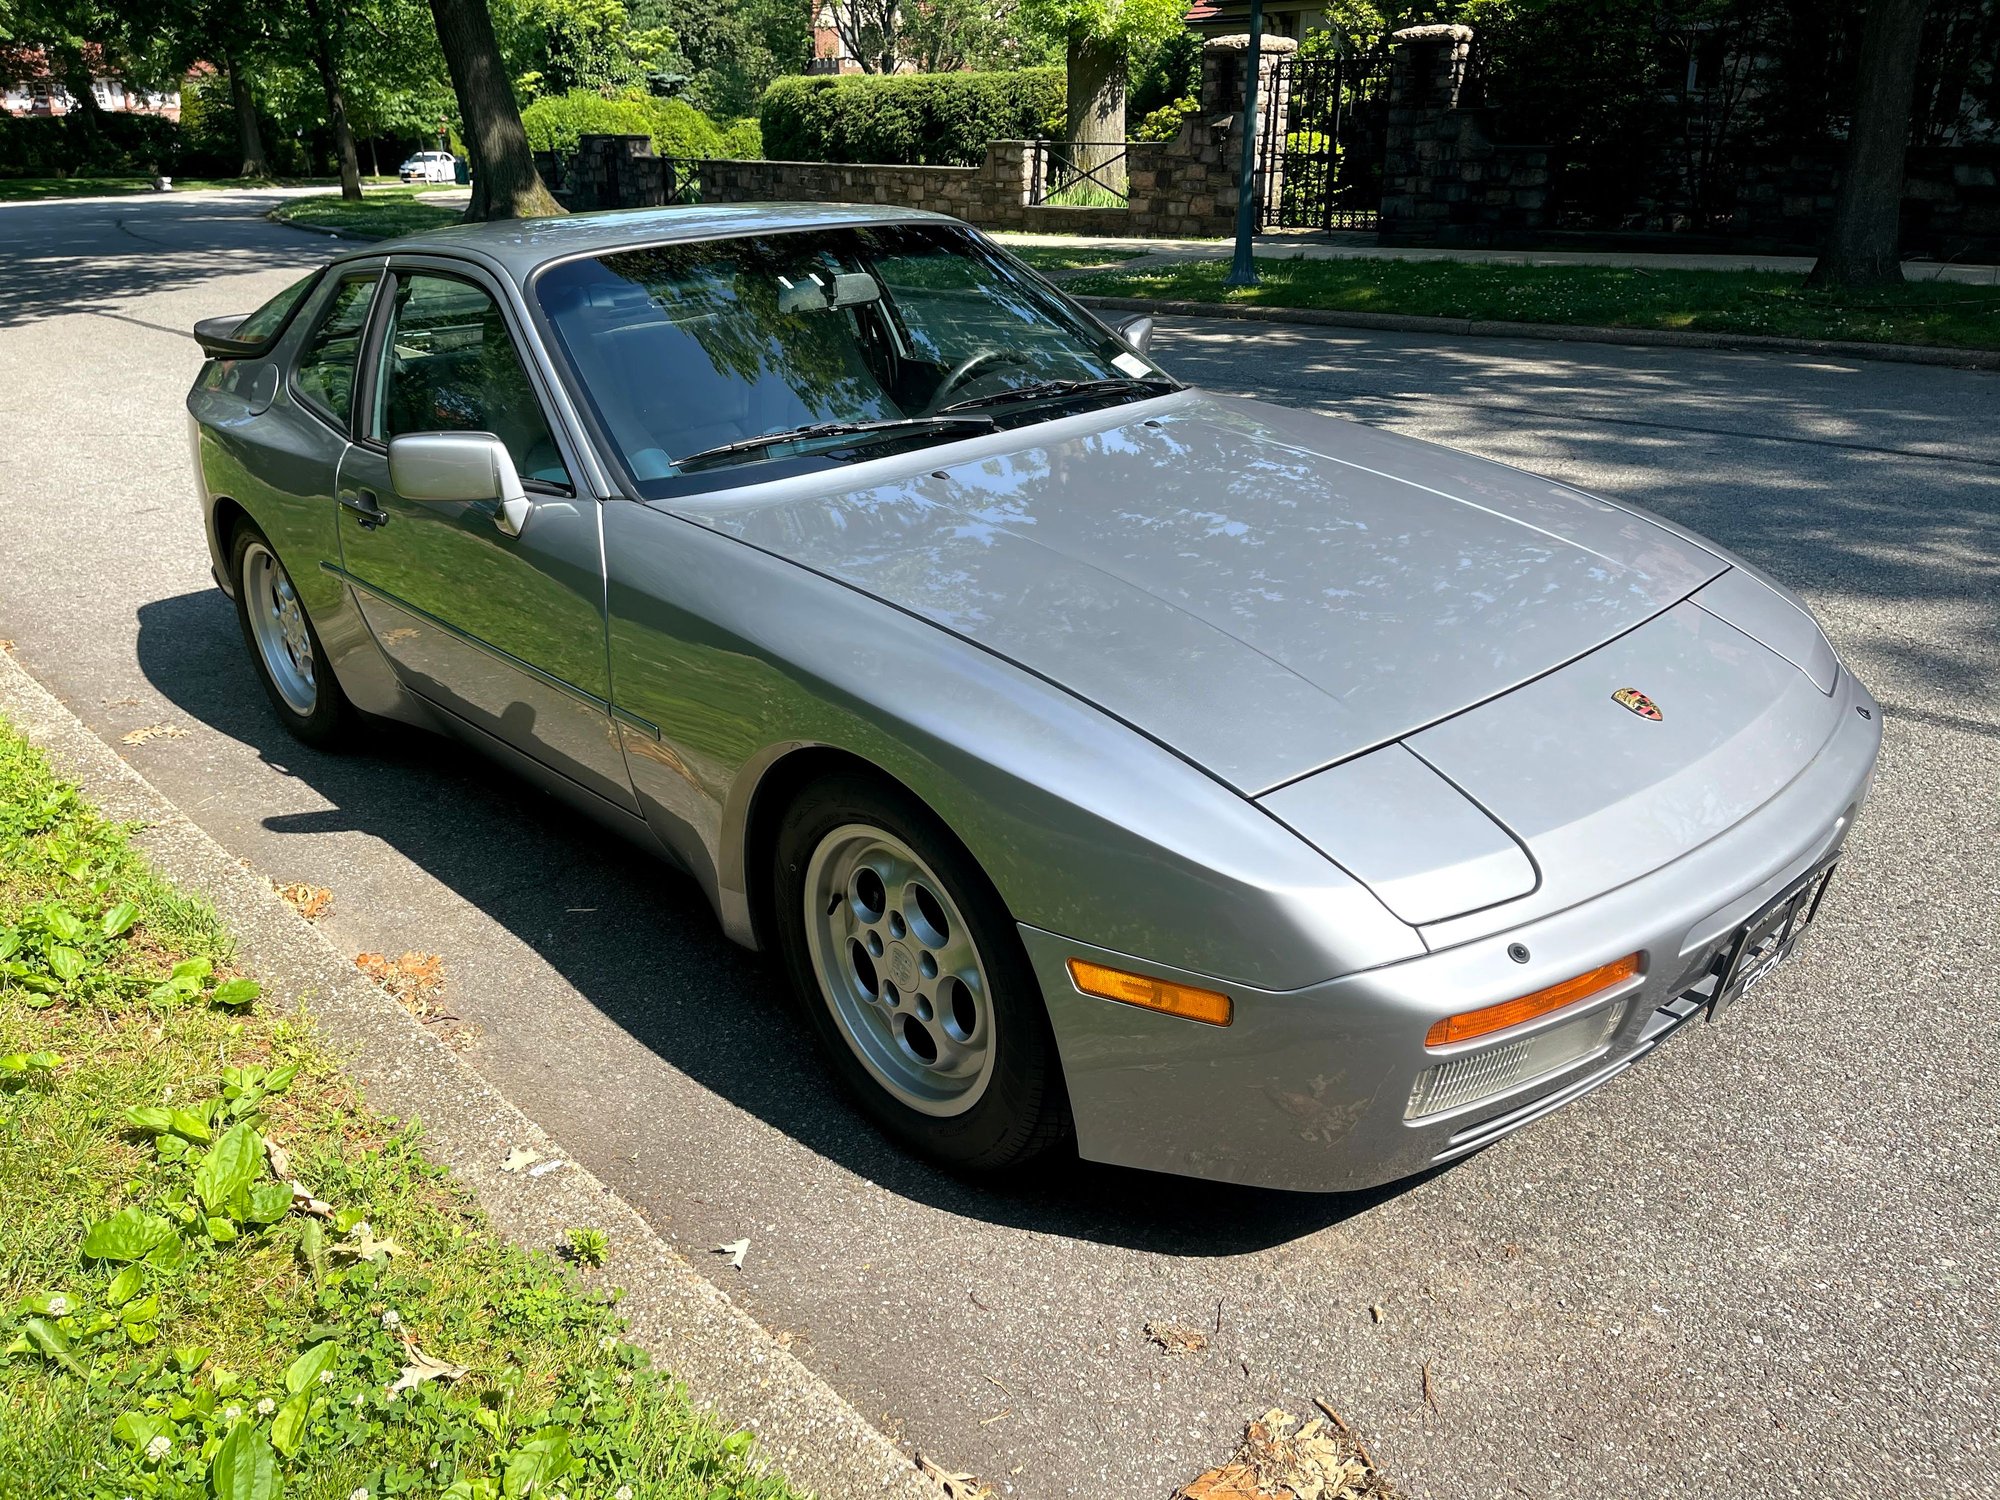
(1769, 938)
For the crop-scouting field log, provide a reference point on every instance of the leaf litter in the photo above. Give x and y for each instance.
(152, 732)
(310, 901)
(1281, 1458)
(955, 1486)
(417, 981)
(1177, 1338)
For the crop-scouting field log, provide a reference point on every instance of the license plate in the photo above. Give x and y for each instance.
(1768, 939)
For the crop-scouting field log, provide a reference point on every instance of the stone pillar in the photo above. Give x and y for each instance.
(1222, 70)
(1426, 75)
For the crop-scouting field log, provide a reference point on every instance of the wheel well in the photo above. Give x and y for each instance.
(776, 788)
(227, 516)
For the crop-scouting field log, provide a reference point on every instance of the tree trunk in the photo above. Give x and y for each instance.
(1096, 89)
(505, 184)
(1862, 243)
(336, 101)
(255, 162)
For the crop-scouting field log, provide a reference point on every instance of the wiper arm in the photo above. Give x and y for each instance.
(1042, 390)
(818, 430)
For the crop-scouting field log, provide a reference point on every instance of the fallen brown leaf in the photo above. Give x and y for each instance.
(955, 1486)
(422, 1367)
(1430, 1395)
(1280, 1459)
(416, 979)
(152, 732)
(1177, 1338)
(310, 901)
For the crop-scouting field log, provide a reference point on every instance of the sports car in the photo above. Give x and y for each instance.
(1226, 789)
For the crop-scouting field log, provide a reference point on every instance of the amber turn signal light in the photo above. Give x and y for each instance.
(1182, 1000)
(1490, 1018)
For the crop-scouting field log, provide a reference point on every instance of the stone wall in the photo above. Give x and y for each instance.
(1445, 180)
(1183, 188)
(1951, 201)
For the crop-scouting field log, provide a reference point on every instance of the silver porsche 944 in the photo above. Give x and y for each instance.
(1237, 791)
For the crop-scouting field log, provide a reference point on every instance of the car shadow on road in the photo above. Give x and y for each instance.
(652, 960)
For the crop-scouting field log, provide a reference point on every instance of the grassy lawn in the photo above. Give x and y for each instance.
(383, 214)
(221, 1274)
(1059, 258)
(1760, 302)
(37, 189)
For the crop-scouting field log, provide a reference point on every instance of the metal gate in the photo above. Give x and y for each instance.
(1325, 133)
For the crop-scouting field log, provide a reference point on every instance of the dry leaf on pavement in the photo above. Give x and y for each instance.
(735, 1250)
(518, 1158)
(955, 1486)
(1177, 1338)
(310, 901)
(422, 1367)
(1279, 1459)
(152, 732)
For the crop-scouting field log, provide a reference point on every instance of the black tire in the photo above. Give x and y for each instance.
(330, 720)
(1023, 1110)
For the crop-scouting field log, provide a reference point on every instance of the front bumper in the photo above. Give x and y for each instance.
(1308, 1089)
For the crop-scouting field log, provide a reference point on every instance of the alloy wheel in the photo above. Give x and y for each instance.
(899, 969)
(278, 624)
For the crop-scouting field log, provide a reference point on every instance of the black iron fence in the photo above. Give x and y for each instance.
(1325, 131)
(1078, 174)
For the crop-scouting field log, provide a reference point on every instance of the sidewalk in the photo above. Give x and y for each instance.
(1351, 246)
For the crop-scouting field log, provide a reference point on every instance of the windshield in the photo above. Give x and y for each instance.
(816, 347)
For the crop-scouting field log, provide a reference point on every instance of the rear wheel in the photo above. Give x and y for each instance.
(914, 977)
(285, 648)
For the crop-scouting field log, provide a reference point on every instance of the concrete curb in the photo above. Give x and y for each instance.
(729, 1363)
(1908, 354)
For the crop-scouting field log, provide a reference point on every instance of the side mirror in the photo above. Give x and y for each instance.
(1137, 331)
(447, 467)
(217, 338)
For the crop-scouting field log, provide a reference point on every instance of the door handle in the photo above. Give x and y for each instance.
(365, 507)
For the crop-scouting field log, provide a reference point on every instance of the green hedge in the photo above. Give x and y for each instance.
(677, 127)
(908, 119)
(66, 146)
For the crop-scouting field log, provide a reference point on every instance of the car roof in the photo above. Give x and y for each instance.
(518, 246)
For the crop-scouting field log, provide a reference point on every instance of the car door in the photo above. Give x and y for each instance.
(506, 633)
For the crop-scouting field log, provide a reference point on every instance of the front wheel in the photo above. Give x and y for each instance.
(914, 977)
(284, 647)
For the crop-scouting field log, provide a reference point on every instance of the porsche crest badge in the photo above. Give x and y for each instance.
(1638, 703)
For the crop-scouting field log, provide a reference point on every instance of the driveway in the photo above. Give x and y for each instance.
(1763, 1264)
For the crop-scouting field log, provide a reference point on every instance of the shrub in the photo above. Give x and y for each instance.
(908, 119)
(68, 146)
(742, 140)
(1164, 123)
(677, 128)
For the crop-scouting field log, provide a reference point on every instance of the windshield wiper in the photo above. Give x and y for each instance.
(1045, 390)
(817, 430)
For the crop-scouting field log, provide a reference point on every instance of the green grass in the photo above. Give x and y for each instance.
(1056, 259)
(1757, 302)
(382, 214)
(176, 1322)
(37, 189)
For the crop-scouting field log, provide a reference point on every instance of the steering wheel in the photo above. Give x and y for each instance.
(973, 364)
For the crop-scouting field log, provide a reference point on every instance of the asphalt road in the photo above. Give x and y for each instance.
(1763, 1264)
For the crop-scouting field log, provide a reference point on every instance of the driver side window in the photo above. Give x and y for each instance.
(449, 365)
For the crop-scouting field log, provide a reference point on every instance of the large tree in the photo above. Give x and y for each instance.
(1863, 243)
(325, 42)
(505, 184)
(1098, 37)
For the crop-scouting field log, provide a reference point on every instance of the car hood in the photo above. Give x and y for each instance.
(1265, 591)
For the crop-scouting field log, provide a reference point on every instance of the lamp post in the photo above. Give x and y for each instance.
(1243, 269)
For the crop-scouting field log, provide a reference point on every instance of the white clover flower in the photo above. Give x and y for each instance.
(231, 1413)
(361, 1230)
(358, 1495)
(326, 1377)
(392, 1318)
(607, 1343)
(58, 1305)
(623, 1492)
(266, 1407)
(389, 1396)
(360, 1397)
(159, 1448)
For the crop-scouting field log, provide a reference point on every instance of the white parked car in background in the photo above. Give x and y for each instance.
(429, 166)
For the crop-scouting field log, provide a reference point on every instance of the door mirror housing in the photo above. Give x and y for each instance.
(460, 467)
(217, 337)
(1137, 331)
